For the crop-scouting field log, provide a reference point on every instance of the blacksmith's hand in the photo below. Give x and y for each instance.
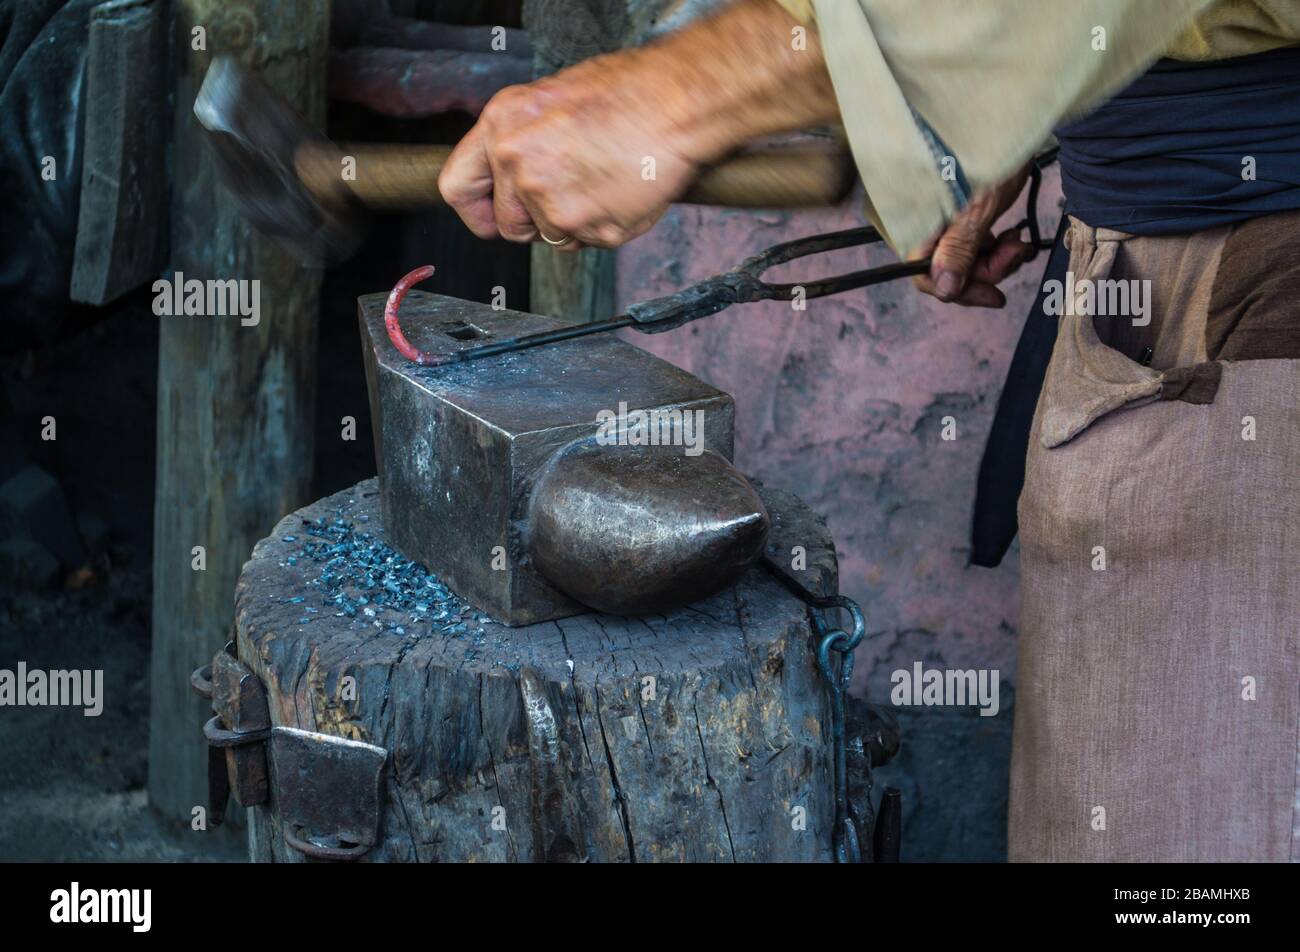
(969, 261)
(594, 154)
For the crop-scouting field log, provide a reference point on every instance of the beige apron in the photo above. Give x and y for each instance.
(1158, 693)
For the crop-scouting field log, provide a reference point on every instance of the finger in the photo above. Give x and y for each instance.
(928, 284)
(955, 255)
(513, 219)
(981, 294)
(558, 243)
(604, 235)
(465, 184)
(614, 235)
(545, 225)
(925, 284)
(1002, 260)
(583, 223)
(976, 293)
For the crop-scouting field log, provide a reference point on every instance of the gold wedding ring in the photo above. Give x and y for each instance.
(550, 241)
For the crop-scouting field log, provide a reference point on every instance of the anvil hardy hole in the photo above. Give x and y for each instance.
(462, 331)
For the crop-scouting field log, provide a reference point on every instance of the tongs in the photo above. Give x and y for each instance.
(741, 285)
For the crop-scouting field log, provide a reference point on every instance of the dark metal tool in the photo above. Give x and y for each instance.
(328, 791)
(742, 285)
(236, 733)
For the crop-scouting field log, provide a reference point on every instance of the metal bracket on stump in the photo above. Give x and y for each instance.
(236, 733)
(329, 791)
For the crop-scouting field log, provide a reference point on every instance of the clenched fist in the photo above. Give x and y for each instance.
(591, 154)
(595, 154)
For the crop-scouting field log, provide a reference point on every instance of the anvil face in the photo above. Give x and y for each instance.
(460, 447)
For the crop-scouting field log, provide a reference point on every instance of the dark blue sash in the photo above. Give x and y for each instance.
(1189, 146)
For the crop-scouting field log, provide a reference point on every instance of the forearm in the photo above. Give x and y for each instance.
(735, 76)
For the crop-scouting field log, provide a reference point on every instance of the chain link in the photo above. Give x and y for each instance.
(846, 839)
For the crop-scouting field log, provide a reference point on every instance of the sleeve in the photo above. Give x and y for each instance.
(942, 99)
(801, 10)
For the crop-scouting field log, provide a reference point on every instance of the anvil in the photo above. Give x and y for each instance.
(528, 482)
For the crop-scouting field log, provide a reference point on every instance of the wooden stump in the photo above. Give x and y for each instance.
(696, 736)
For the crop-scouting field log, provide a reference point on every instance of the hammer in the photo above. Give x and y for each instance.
(311, 194)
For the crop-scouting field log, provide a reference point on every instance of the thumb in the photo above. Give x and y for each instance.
(955, 255)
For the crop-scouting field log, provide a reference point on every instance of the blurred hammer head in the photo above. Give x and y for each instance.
(258, 140)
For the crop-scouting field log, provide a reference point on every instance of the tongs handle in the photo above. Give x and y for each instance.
(746, 284)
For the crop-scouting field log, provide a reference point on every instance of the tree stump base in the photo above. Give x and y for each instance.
(701, 735)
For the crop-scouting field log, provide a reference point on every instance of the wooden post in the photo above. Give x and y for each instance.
(577, 286)
(235, 402)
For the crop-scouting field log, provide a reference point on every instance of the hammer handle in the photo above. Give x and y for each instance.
(405, 177)
(792, 177)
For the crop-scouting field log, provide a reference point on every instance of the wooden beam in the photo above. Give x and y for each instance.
(235, 402)
(122, 220)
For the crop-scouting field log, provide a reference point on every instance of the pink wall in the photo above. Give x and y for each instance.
(843, 403)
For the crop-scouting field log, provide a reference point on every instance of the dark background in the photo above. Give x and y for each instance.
(72, 787)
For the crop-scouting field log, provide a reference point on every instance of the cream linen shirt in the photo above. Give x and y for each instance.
(942, 99)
